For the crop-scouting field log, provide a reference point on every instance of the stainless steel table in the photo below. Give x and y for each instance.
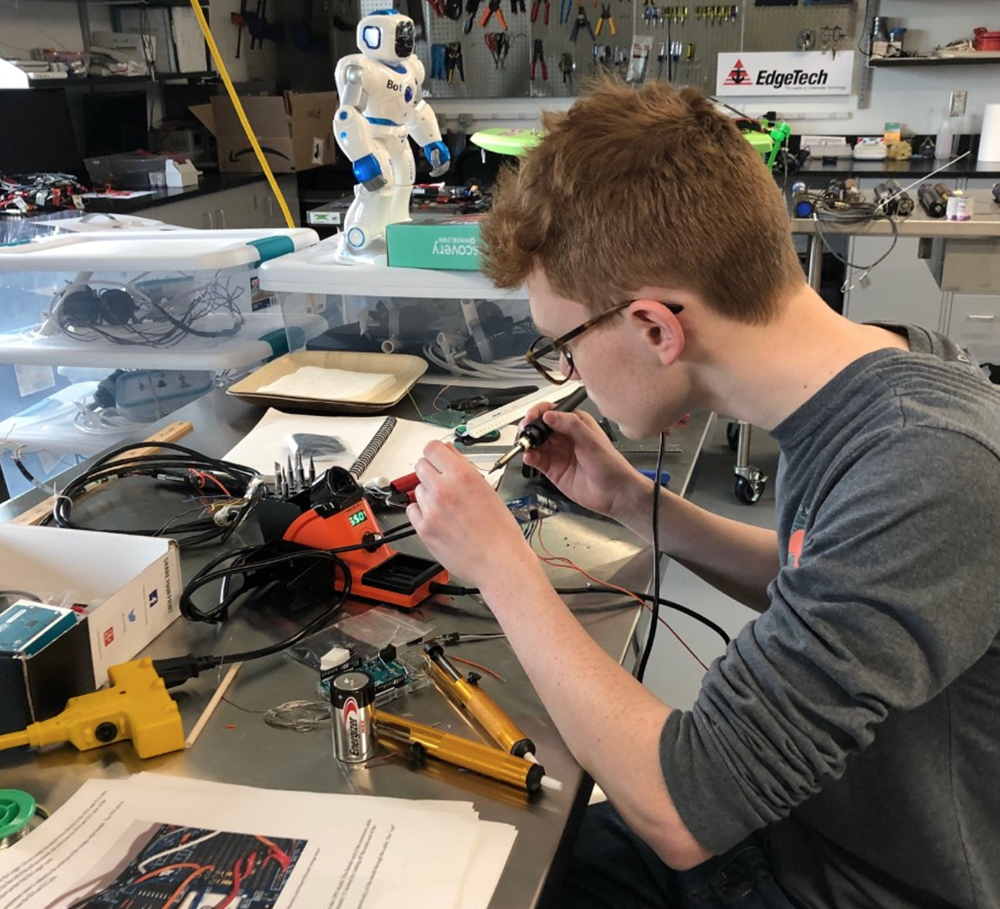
(238, 747)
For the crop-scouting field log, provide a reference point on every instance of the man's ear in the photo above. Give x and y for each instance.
(661, 328)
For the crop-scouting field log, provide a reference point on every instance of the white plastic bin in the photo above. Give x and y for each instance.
(86, 411)
(457, 320)
(171, 300)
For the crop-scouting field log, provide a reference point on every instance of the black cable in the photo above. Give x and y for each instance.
(146, 332)
(177, 670)
(654, 618)
(458, 590)
(853, 219)
(171, 463)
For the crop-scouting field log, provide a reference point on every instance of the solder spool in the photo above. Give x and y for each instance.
(19, 815)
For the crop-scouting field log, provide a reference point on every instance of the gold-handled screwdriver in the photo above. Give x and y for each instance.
(537, 431)
(452, 749)
(483, 709)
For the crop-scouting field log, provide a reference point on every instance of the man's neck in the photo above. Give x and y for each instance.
(763, 373)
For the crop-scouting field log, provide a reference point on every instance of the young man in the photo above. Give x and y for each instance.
(844, 750)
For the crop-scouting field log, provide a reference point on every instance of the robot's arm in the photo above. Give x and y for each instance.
(354, 133)
(424, 130)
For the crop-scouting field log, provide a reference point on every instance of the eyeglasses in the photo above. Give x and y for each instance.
(543, 346)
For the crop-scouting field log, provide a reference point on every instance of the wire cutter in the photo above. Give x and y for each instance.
(493, 9)
(438, 52)
(517, 6)
(565, 11)
(581, 21)
(606, 17)
(566, 67)
(538, 56)
(534, 11)
(498, 45)
(453, 60)
(471, 7)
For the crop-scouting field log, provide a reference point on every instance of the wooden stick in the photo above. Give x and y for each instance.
(206, 714)
(170, 433)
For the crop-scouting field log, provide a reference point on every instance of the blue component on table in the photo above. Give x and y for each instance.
(650, 474)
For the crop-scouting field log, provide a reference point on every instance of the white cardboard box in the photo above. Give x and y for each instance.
(135, 582)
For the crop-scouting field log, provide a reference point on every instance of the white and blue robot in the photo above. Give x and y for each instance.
(380, 106)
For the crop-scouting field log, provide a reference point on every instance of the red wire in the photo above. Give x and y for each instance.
(201, 869)
(282, 857)
(495, 675)
(569, 563)
(238, 878)
(207, 476)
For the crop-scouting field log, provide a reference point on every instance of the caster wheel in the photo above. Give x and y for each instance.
(733, 435)
(748, 490)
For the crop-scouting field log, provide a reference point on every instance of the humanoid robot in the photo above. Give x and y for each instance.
(380, 106)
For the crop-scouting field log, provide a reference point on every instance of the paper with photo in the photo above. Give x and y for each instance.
(310, 850)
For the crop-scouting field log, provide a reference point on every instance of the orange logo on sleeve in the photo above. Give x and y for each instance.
(795, 543)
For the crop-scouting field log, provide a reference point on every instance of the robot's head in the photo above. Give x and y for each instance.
(386, 35)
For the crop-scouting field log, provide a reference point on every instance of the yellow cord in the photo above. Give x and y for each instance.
(13, 740)
(217, 57)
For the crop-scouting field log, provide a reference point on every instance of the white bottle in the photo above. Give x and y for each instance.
(945, 142)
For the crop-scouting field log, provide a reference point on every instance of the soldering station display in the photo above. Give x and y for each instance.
(191, 867)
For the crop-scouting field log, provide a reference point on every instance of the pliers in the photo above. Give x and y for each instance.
(453, 61)
(565, 11)
(493, 9)
(534, 11)
(606, 17)
(566, 67)
(471, 7)
(437, 6)
(581, 21)
(498, 45)
(538, 56)
(517, 6)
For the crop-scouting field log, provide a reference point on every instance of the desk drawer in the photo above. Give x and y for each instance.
(975, 324)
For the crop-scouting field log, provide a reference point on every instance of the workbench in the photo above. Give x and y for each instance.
(236, 746)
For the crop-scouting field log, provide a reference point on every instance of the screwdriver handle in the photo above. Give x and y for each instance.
(491, 762)
(483, 709)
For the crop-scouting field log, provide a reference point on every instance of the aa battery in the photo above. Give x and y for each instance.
(352, 703)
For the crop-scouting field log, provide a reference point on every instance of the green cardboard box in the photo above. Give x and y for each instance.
(450, 244)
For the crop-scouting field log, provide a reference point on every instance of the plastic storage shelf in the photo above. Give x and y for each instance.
(457, 320)
(174, 300)
(157, 317)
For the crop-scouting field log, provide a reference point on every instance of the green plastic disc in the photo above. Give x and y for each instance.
(507, 141)
(17, 808)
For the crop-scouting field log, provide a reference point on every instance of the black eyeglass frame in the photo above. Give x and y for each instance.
(558, 345)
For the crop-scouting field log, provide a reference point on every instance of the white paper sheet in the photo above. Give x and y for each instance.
(267, 442)
(294, 850)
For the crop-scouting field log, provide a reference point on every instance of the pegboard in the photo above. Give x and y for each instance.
(697, 34)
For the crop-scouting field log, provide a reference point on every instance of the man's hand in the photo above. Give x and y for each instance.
(461, 519)
(581, 461)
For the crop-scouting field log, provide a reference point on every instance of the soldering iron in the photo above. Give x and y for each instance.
(537, 431)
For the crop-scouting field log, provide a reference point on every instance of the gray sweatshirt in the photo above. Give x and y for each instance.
(854, 727)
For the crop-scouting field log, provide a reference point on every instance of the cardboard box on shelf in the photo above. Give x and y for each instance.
(295, 131)
(126, 589)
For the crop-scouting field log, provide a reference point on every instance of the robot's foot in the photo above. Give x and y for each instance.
(374, 253)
